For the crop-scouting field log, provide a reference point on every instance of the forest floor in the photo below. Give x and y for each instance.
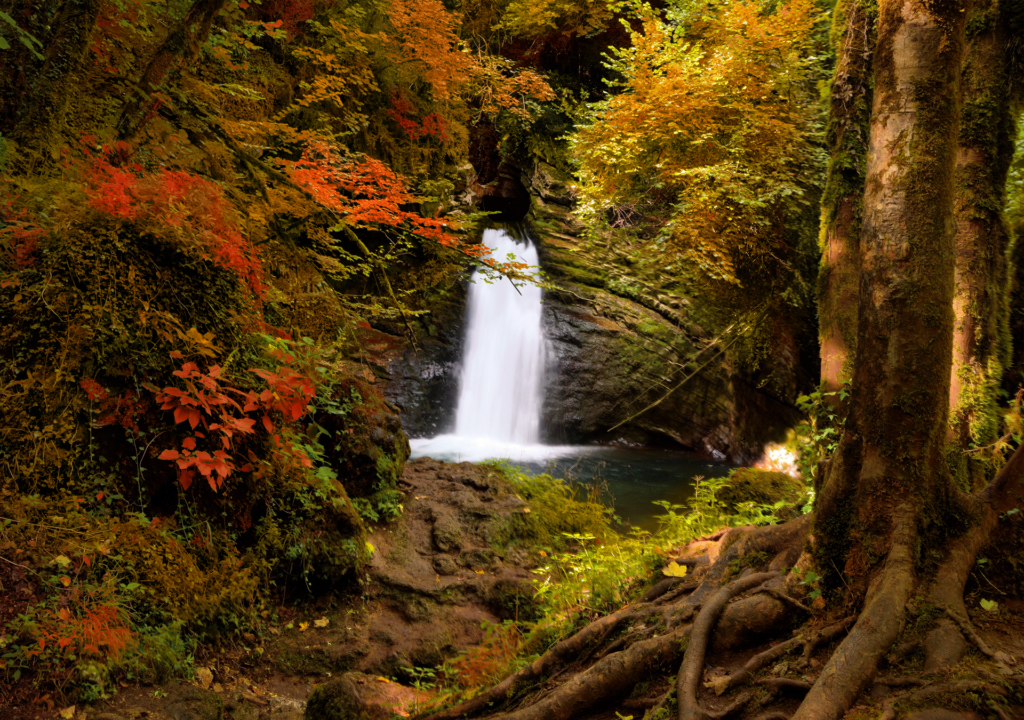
(439, 578)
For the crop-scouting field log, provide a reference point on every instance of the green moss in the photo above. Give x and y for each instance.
(760, 486)
(332, 702)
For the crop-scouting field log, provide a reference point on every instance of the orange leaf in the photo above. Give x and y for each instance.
(189, 443)
(169, 455)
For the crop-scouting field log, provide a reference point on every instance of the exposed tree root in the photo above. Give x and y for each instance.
(821, 637)
(953, 688)
(693, 660)
(758, 662)
(552, 660)
(854, 663)
(695, 618)
(731, 709)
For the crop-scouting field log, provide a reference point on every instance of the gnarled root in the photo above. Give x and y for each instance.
(855, 661)
(954, 688)
(693, 660)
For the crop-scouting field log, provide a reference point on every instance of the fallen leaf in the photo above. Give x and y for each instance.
(68, 712)
(321, 623)
(674, 569)
(303, 626)
(62, 560)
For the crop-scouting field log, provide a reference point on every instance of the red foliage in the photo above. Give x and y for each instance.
(179, 199)
(367, 193)
(99, 629)
(433, 125)
(293, 14)
(225, 412)
(93, 389)
(20, 233)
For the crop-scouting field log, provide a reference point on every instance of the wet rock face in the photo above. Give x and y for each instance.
(618, 345)
(506, 194)
(425, 381)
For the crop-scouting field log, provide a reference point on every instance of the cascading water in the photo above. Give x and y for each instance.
(502, 381)
(503, 366)
(501, 393)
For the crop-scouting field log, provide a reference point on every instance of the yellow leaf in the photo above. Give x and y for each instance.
(479, 572)
(62, 560)
(674, 569)
(321, 623)
(68, 712)
(65, 580)
(303, 626)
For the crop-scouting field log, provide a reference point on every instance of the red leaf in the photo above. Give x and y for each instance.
(189, 443)
(244, 6)
(169, 455)
(267, 424)
(181, 414)
(176, 355)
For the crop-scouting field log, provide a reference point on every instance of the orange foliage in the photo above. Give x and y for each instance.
(366, 193)
(100, 630)
(188, 203)
(425, 38)
(224, 412)
(720, 129)
(482, 664)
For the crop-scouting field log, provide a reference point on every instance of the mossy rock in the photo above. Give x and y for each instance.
(355, 696)
(447, 533)
(760, 486)
(366, 443)
(192, 703)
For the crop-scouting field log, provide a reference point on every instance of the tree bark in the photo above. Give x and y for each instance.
(847, 136)
(184, 41)
(889, 471)
(981, 340)
(39, 126)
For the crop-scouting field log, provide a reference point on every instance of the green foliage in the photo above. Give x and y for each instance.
(557, 509)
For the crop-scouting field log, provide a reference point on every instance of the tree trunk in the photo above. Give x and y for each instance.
(847, 135)
(184, 41)
(981, 342)
(39, 127)
(889, 471)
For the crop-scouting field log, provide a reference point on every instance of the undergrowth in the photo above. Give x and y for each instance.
(589, 567)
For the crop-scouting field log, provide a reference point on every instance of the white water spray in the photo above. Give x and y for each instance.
(502, 381)
(503, 365)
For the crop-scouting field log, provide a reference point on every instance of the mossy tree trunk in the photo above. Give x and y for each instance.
(889, 471)
(981, 341)
(847, 134)
(183, 42)
(52, 91)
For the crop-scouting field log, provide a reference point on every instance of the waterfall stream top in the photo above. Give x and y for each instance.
(501, 387)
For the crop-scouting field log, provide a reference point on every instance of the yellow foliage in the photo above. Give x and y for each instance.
(711, 129)
(533, 18)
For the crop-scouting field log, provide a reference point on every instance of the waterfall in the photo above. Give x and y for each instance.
(503, 363)
(501, 387)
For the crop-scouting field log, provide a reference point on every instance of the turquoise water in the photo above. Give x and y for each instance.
(631, 479)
